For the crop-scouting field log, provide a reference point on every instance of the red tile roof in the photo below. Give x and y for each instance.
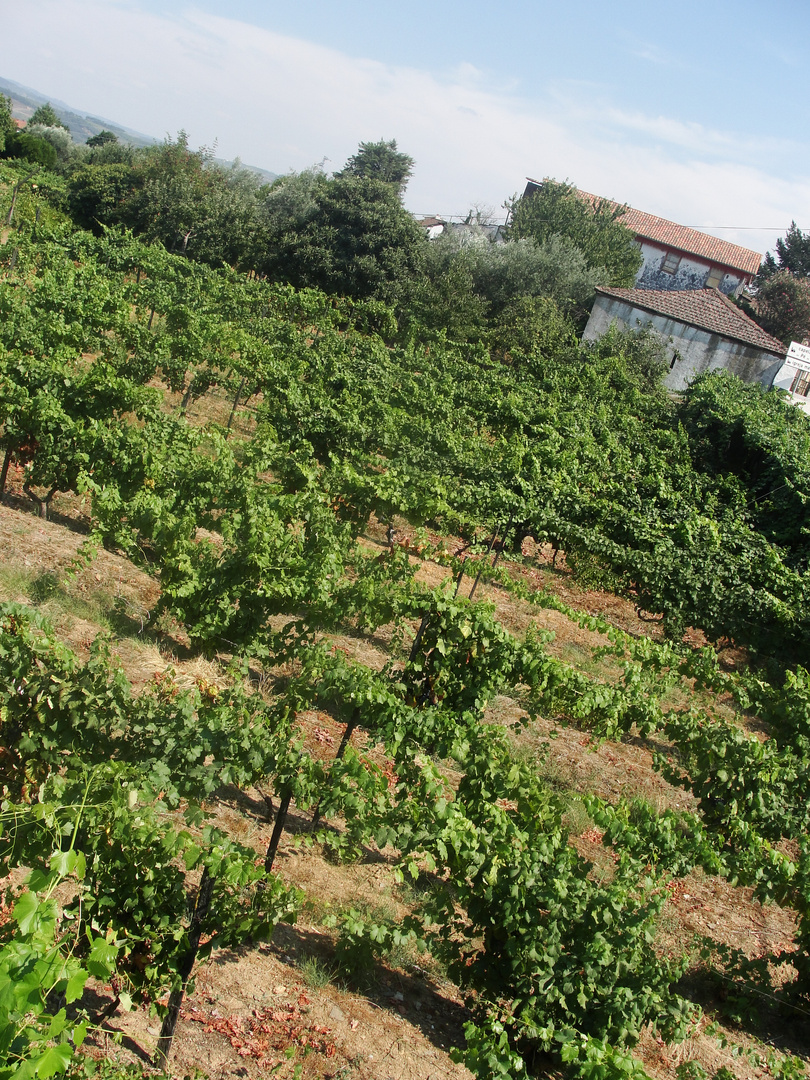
(705, 309)
(681, 238)
(689, 241)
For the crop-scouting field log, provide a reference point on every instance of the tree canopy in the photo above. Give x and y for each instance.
(792, 255)
(349, 234)
(172, 194)
(469, 279)
(783, 306)
(357, 239)
(291, 201)
(7, 125)
(58, 137)
(46, 116)
(558, 209)
(380, 161)
(782, 302)
(102, 138)
(30, 147)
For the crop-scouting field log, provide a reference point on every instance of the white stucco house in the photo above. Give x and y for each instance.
(433, 226)
(677, 257)
(702, 328)
(794, 376)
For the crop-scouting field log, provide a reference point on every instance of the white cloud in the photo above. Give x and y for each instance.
(699, 139)
(283, 103)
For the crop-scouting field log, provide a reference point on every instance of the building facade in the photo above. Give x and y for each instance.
(794, 376)
(676, 257)
(703, 331)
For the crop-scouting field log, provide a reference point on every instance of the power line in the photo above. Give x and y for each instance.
(444, 217)
(719, 228)
(742, 228)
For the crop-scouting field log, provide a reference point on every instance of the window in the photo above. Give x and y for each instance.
(801, 384)
(671, 262)
(716, 275)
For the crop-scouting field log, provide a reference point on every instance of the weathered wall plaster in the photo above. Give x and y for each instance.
(690, 351)
(692, 273)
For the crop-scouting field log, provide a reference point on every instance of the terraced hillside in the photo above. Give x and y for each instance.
(376, 704)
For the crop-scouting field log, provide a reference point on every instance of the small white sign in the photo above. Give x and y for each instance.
(800, 353)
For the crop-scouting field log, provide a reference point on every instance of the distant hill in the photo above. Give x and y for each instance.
(25, 100)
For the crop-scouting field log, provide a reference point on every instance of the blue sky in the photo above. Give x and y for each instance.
(692, 111)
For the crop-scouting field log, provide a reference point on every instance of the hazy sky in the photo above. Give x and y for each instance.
(695, 111)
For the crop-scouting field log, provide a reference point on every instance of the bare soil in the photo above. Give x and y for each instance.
(283, 1005)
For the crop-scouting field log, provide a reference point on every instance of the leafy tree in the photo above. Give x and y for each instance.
(554, 269)
(7, 125)
(46, 116)
(95, 193)
(643, 351)
(191, 205)
(59, 138)
(783, 306)
(357, 240)
(291, 201)
(792, 255)
(558, 209)
(782, 301)
(168, 194)
(30, 148)
(529, 326)
(172, 194)
(443, 298)
(469, 279)
(102, 138)
(110, 153)
(380, 161)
